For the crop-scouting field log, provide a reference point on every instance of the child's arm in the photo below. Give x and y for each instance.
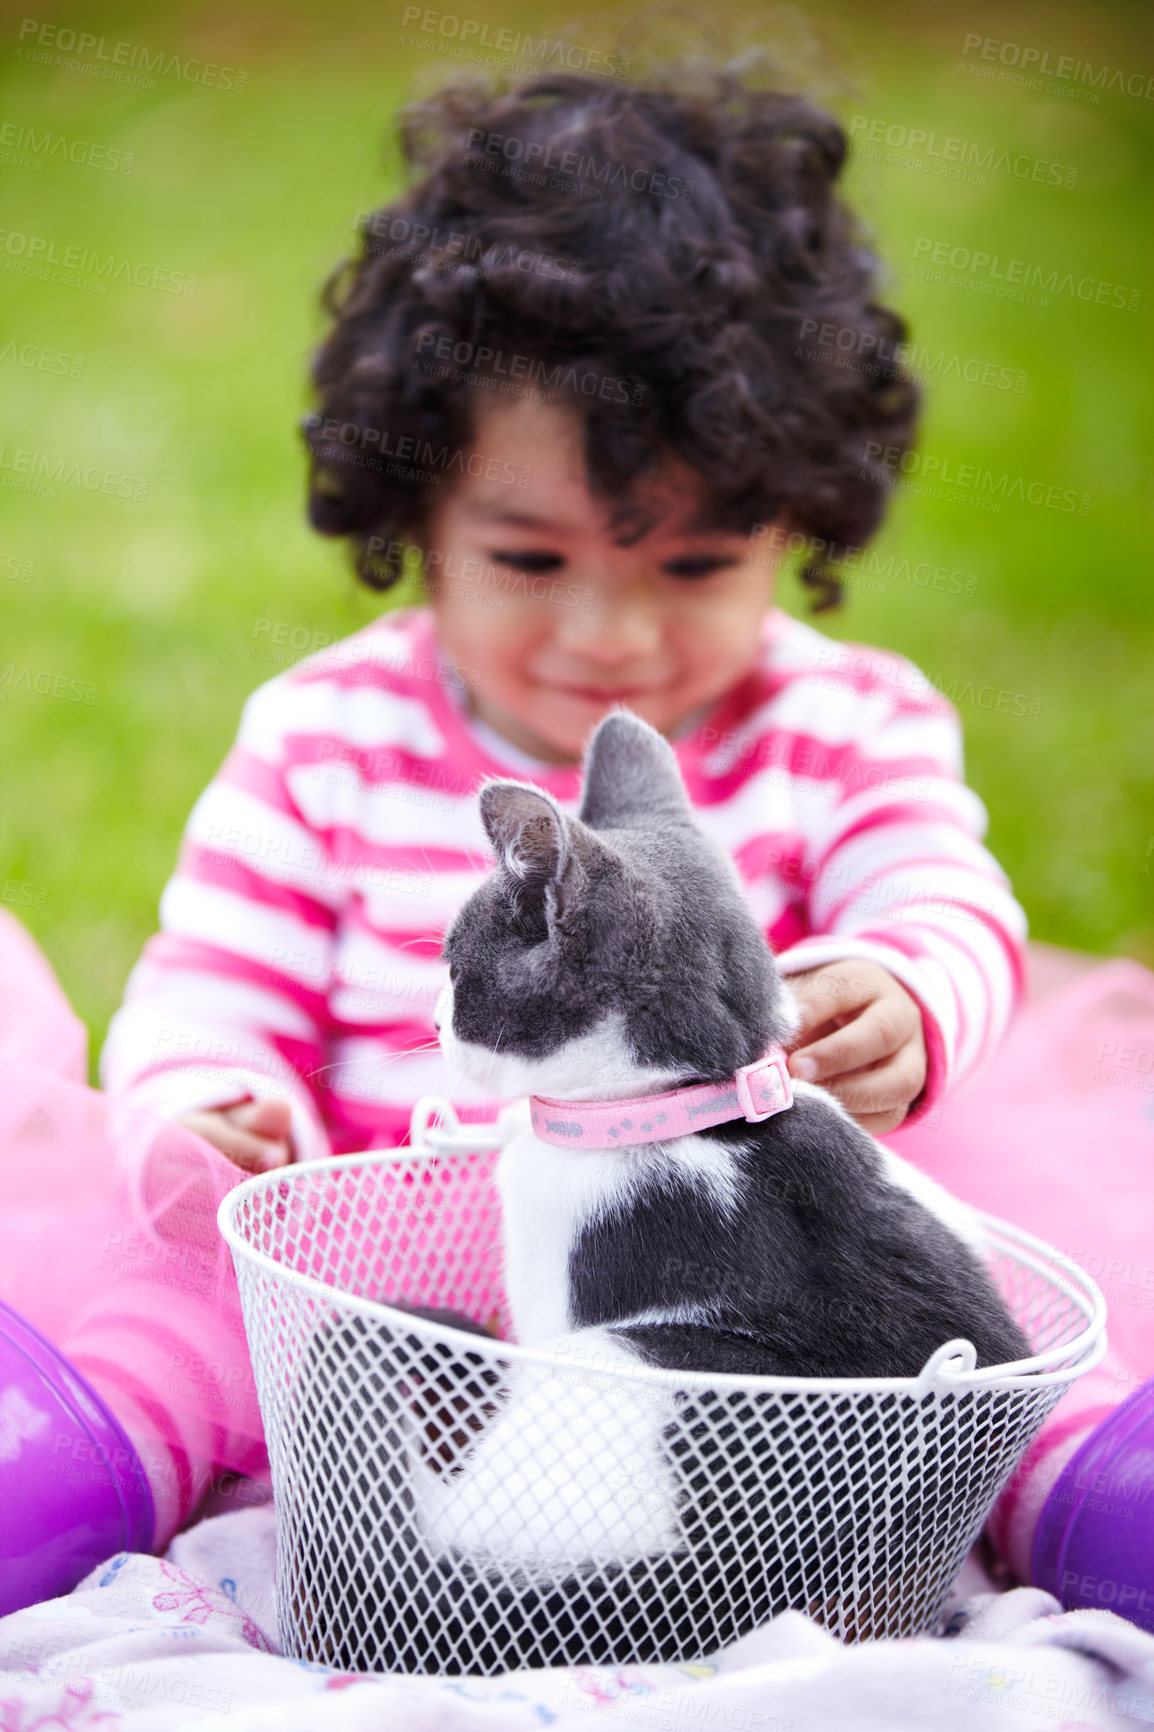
(915, 959)
(227, 1003)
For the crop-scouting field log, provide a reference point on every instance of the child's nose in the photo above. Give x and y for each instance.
(611, 629)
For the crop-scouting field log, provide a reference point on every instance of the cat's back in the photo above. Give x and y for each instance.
(839, 1260)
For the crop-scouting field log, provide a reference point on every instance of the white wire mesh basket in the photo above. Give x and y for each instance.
(417, 1533)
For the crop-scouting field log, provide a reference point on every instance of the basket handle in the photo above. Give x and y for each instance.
(948, 1364)
(448, 1133)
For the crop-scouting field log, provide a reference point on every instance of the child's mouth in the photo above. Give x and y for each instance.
(607, 694)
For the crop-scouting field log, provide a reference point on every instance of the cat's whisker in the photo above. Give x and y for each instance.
(351, 1066)
(495, 1054)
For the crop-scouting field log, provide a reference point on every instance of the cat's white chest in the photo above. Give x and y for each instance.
(547, 1196)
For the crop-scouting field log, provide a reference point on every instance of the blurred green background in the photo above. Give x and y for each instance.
(161, 604)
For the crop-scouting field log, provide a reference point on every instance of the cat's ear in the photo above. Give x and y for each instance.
(527, 830)
(631, 773)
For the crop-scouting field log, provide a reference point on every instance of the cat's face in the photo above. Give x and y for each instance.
(609, 954)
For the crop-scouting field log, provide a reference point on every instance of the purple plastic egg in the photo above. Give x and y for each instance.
(1094, 1544)
(72, 1488)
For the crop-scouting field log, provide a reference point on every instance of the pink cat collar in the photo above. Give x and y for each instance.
(755, 1092)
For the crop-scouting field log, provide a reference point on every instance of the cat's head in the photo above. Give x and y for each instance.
(609, 954)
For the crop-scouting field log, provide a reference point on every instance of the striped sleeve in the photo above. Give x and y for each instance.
(228, 998)
(896, 872)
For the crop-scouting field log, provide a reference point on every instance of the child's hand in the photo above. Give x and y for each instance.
(253, 1134)
(871, 1052)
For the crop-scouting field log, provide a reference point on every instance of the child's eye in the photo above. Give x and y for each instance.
(528, 561)
(699, 565)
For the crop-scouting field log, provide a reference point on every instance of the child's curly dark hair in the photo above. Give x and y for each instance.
(682, 247)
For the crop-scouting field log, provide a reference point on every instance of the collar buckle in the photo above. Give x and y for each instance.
(764, 1087)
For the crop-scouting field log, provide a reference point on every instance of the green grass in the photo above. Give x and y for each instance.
(157, 603)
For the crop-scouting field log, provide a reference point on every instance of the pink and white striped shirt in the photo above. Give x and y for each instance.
(300, 934)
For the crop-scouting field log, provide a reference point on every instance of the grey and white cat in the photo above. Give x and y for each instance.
(612, 955)
(590, 1518)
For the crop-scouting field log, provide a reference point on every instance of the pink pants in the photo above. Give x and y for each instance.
(109, 1246)
(1057, 1136)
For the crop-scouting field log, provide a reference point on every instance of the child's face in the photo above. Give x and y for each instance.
(553, 620)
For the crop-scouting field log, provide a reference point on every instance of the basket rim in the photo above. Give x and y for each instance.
(1059, 1364)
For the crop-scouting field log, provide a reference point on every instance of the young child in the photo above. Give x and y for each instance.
(588, 371)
